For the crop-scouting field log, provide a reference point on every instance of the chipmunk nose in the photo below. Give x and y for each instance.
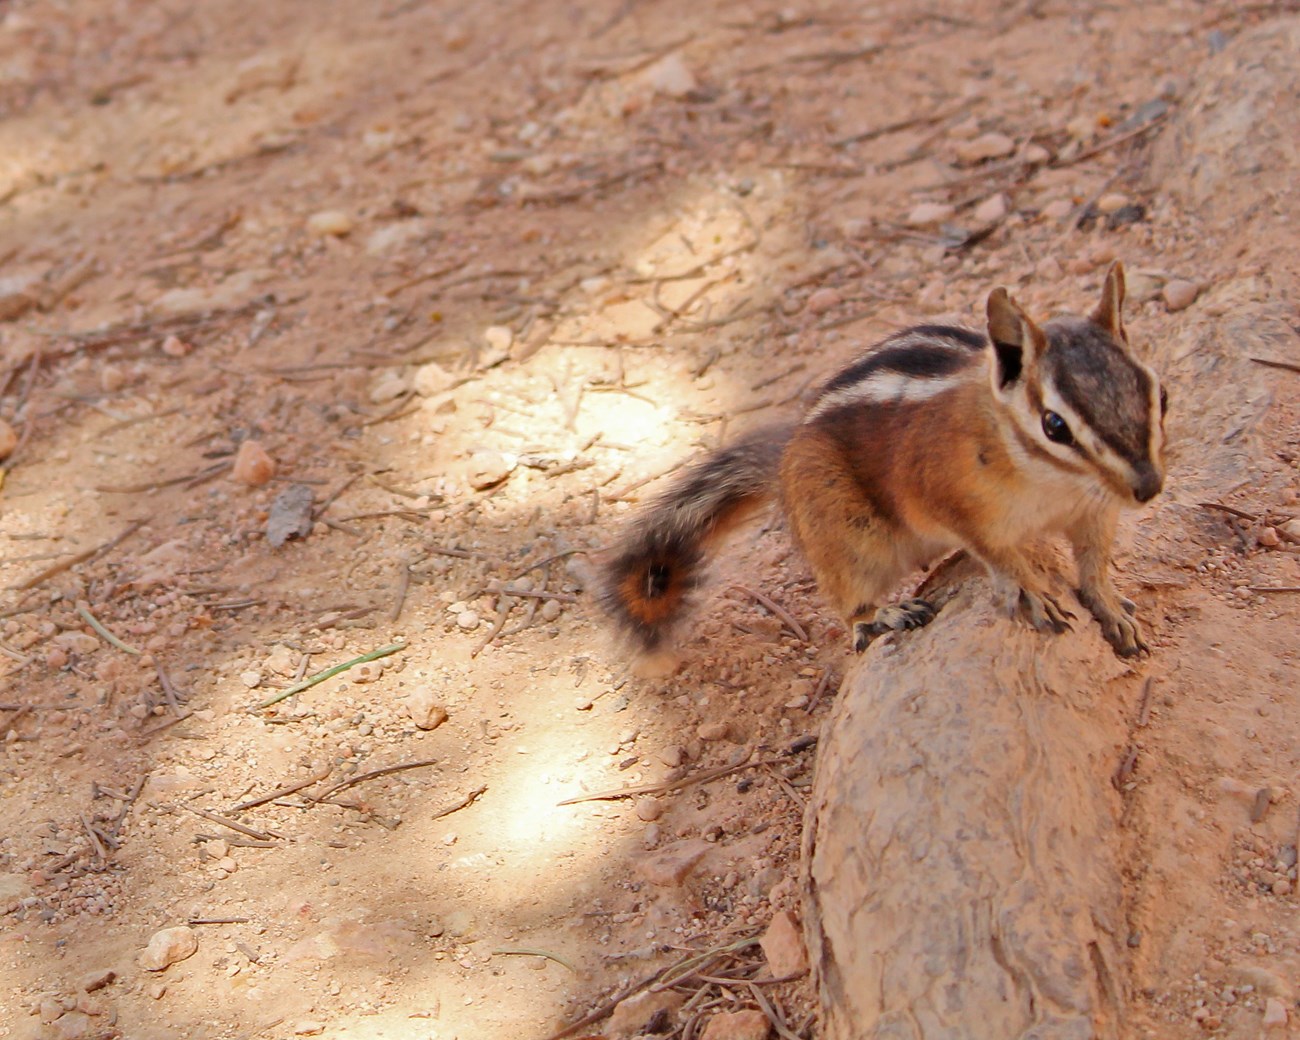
(1150, 480)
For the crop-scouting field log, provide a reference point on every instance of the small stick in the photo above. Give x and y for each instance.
(1276, 364)
(331, 498)
(1259, 808)
(460, 804)
(234, 825)
(217, 920)
(360, 777)
(528, 951)
(670, 785)
(506, 605)
(1144, 705)
(81, 557)
(822, 685)
(280, 792)
(108, 636)
(130, 800)
(1113, 142)
(403, 586)
(776, 609)
(1240, 514)
(1274, 588)
(510, 590)
(565, 554)
(14, 655)
(329, 673)
(100, 854)
(1125, 769)
(243, 843)
(605, 1008)
(169, 691)
(773, 1016)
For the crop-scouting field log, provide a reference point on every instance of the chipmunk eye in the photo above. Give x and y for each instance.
(1164, 401)
(1057, 429)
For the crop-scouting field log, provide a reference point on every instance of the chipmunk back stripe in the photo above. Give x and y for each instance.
(912, 366)
(968, 338)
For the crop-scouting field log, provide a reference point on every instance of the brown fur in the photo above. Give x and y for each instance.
(929, 445)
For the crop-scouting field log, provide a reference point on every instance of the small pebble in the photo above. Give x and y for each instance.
(986, 146)
(366, 672)
(1275, 1015)
(168, 946)
(487, 468)
(1036, 153)
(499, 339)
(389, 385)
(992, 210)
(1112, 202)
(823, 300)
(1058, 209)
(330, 222)
(737, 1025)
(8, 439)
(468, 620)
(714, 731)
(551, 610)
(251, 679)
(174, 346)
(649, 809)
(94, 980)
(111, 379)
(427, 712)
(1269, 538)
(670, 76)
(253, 466)
(783, 946)
(928, 213)
(1180, 294)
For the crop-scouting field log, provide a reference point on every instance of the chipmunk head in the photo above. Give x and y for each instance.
(1078, 397)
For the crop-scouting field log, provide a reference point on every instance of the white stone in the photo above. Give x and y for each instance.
(330, 222)
(168, 946)
(928, 213)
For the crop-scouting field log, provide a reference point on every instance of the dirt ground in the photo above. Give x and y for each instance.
(430, 295)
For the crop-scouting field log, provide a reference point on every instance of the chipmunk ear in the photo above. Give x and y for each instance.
(1110, 309)
(1017, 341)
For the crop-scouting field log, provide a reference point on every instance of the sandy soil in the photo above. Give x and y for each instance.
(474, 277)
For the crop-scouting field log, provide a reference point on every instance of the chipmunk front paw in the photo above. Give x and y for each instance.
(910, 613)
(1118, 624)
(1042, 611)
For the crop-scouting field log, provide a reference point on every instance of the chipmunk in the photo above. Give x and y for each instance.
(940, 438)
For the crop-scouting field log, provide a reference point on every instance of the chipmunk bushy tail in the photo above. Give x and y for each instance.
(652, 569)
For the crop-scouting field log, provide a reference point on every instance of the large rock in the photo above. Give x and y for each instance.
(1232, 152)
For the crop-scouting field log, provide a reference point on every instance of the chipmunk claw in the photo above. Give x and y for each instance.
(1119, 625)
(1042, 611)
(898, 617)
(1125, 635)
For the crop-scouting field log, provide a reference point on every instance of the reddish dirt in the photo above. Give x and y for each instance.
(408, 248)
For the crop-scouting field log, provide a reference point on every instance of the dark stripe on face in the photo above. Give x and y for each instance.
(920, 361)
(1039, 452)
